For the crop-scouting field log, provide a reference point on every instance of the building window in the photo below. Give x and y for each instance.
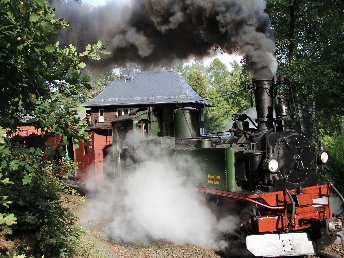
(101, 116)
(85, 150)
(123, 111)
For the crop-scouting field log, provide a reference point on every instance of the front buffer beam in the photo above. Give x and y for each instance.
(272, 245)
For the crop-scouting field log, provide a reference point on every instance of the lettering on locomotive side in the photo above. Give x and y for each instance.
(214, 179)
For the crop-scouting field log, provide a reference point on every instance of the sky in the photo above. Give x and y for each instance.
(225, 58)
(96, 2)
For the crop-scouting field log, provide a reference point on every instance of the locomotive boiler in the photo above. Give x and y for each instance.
(267, 166)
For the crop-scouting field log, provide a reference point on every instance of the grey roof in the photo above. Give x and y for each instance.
(148, 87)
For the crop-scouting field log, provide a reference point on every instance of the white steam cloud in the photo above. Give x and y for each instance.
(152, 200)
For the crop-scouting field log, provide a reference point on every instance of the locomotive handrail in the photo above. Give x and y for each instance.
(292, 216)
(240, 197)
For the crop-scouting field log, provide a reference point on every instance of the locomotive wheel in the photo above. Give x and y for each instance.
(234, 247)
(234, 243)
(324, 241)
(247, 221)
(237, 241)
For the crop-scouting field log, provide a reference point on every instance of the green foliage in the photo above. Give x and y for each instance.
(36, 72)
(310, 39)
(229, 95)
(6, 221)
(64, 168)
(223, 88)
(100, 82)
(335, 148)
(41, 83)
(35, 201)
(318, 93)
(197, 77)
(310, 42)
(334, 144)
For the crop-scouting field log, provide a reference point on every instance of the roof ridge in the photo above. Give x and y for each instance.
(155, 71)
(148, 87)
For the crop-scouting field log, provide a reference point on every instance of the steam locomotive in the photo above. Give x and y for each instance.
(270, 169)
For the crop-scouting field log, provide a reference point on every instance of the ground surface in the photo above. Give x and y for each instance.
(98, 246)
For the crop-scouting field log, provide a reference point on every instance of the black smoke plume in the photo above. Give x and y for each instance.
(158, 32)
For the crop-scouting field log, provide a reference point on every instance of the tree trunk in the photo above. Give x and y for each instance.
(291, 35)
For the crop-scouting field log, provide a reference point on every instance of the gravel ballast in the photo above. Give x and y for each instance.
(102, 247)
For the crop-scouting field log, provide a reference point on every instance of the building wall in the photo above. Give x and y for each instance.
(102, 141)
(29, 136)
(90, 156)
(26, 130)
(109, 115)
(83, 159)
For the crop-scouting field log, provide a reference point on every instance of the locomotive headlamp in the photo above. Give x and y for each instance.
(323, 157)
(272, 165)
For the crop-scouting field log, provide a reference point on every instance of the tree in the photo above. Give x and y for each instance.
(310, 39)
(335, 146)
(231, 85)
(43, 83)
(99, 82)
(310, 43)
(196, 75)
(224, 89)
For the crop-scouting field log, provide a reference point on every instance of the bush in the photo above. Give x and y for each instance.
(335, 148)
(34, 195)
(64, 168)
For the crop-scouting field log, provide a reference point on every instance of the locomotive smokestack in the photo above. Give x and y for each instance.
(263, 94)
